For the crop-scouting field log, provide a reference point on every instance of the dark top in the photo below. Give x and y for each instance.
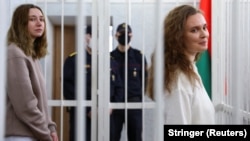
(69, 77)
(116, 85)
(134, 73)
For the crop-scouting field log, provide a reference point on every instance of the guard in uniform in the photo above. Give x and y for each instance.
(69, 87)
(135, 83)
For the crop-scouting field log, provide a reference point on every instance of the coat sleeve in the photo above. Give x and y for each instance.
(24, 101)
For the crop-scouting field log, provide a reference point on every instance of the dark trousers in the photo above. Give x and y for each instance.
(134, 125)
(73, 126)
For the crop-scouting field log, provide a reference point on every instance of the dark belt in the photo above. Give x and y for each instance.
(134, 99)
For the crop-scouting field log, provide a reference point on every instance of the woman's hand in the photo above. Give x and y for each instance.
(54, 136)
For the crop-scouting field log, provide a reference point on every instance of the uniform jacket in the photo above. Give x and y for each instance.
(69, 90)
(116, 84)
(69, 77)
(26, 107)
(134, 73)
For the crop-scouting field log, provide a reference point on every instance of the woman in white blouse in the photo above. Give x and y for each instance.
(185, 38)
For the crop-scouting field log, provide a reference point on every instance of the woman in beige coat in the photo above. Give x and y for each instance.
(27, 117)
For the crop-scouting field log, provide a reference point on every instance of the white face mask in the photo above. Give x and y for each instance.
(90, 43)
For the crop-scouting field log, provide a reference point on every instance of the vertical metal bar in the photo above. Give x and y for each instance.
(248, 56)
(94, 73)
(143, 72)
(242, 51)
(215, 42)
(237, 92)
(158, 82)
(81, 87)
(126, 73)
(3, 30)
(62, 62)
(219, 55)
(226, 57)
(101, 78)
(106, 69)
(128, 21)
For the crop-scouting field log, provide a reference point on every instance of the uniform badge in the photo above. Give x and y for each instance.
(87, 66)
(134, 73)
(113, 77)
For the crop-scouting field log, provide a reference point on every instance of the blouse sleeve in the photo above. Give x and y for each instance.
(178, 108)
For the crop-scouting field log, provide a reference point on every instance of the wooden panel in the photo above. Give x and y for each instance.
(69, 47)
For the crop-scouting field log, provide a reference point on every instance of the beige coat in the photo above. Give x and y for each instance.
(26, 107)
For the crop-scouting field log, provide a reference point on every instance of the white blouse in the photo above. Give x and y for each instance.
(187, 104)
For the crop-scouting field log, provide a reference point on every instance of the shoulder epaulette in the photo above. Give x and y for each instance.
(111, 57)
(72, 54)
(138, 51)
